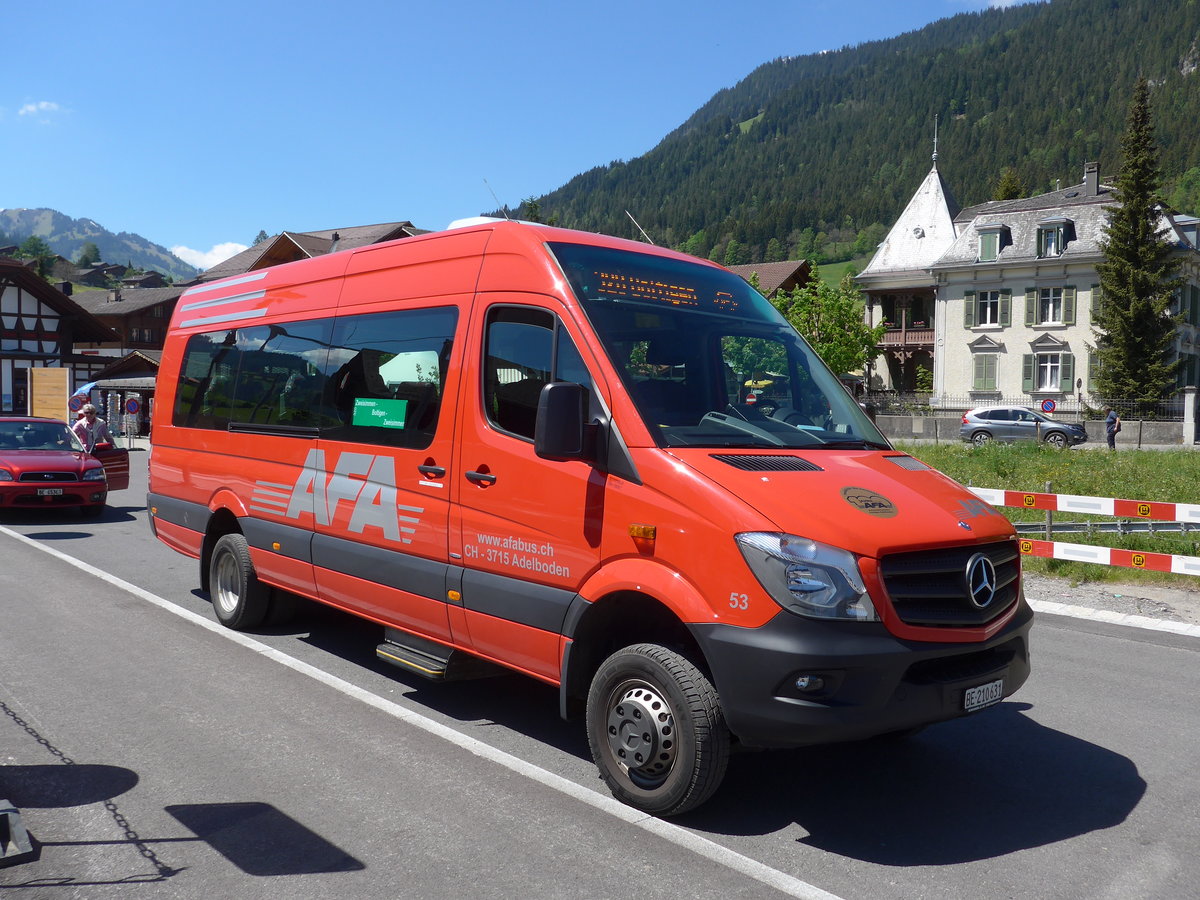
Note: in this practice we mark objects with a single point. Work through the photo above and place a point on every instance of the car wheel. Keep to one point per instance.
(656, 730)
(239, 599)
(980, 438)
(1057, 440)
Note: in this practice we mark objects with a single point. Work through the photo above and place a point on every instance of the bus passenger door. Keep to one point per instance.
(382, 509)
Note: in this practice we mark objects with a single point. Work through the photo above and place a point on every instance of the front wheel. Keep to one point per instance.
(656, 730)
(239, 599)
(1057, 440)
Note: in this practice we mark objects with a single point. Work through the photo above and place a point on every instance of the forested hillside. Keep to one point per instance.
(814, 156)
(67, 236)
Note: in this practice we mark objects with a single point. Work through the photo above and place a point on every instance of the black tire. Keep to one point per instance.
(239, 599)
(980, 438)
(656, 730)
(1057, 440)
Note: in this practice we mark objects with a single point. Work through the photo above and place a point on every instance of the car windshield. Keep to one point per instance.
(708, 361)
(37, 436)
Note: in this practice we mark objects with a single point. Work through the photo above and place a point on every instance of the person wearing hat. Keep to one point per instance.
(91, 430)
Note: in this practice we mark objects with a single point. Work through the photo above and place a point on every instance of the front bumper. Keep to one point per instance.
(874, 683)
(24, 495)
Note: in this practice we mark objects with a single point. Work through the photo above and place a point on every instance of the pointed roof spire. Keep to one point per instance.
(935, 135)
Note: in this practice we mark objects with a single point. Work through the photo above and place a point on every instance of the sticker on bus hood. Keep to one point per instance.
(868, 501)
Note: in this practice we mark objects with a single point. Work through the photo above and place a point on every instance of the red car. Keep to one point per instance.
(43, 464)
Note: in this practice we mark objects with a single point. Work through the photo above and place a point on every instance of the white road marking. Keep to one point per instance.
(681, 837)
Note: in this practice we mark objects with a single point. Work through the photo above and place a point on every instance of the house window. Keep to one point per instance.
(1052, 237)
(989, 246)
(985, 372)
(1049, 371)
(992, 308)
(1050, 305)
(989, 308)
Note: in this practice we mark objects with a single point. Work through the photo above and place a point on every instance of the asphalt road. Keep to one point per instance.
(153, 753)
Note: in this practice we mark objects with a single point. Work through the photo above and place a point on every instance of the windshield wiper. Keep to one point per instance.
(852, 445)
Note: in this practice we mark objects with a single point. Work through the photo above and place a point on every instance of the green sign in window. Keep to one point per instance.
(379, 413)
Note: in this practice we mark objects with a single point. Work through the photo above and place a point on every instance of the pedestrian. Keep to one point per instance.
(1112, 424)
(91, 430)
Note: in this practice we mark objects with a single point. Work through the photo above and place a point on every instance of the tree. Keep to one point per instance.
(1135, 331)
(1009, 186)
(34, 247)
(89, 255)
(831, 320)
(262, 236)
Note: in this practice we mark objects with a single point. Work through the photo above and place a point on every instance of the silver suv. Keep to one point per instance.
(1016, 423)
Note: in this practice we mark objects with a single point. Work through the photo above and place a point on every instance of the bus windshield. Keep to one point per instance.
(708, 360)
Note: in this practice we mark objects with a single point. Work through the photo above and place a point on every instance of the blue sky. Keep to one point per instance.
(198, 124)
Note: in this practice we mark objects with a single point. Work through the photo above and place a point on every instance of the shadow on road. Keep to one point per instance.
(971, 789)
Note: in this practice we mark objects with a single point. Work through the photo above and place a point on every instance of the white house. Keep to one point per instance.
(1013, 296)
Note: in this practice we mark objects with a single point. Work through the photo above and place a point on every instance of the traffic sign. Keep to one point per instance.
(1048, 406)
(76, 402)
(132, 406)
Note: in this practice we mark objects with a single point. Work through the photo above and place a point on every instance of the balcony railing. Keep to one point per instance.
(907, 337)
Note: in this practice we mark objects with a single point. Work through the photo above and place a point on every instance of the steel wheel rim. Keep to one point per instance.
(641, 733)
(227, 583)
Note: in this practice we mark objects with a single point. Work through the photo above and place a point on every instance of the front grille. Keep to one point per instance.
(929, 587)
(766, 463)
(48, 477)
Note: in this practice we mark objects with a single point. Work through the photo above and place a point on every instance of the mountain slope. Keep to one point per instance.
(66, 237)
(839, 140)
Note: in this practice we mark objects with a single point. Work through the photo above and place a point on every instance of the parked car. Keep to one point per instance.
(1016, 423)
(42, 463)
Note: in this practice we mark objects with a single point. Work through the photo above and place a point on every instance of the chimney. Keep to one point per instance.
(1091, 179)
(114, 296)
(66, 287)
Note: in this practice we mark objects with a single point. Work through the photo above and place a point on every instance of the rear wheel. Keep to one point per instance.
(980, 438)
(239, 599)
(656, 730)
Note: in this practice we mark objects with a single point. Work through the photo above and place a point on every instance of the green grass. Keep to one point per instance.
(831, 273)
(1166, 476)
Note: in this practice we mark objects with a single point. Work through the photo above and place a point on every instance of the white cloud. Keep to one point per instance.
(42, 107)
(206, 259)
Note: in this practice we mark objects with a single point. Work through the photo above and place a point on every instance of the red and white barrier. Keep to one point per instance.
(1097, 506)
(1101, 506)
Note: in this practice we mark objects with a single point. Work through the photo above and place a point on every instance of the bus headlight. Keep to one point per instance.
(808, 577)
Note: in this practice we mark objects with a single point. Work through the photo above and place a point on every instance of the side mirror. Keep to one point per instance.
(562, 432)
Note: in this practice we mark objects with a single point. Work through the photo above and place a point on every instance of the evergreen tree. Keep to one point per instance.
(34, 247)
(1134, 328)
(1009, 186)
(262, 236)
(89, 255)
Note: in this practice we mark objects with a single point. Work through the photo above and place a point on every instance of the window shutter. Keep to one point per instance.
(969, 309)
(1031, 299)
(1027, 362)
(980, 373)
(1005, 308)
(1097, 301)
(1067, 382)
(1093, 365)
(1069, 305)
